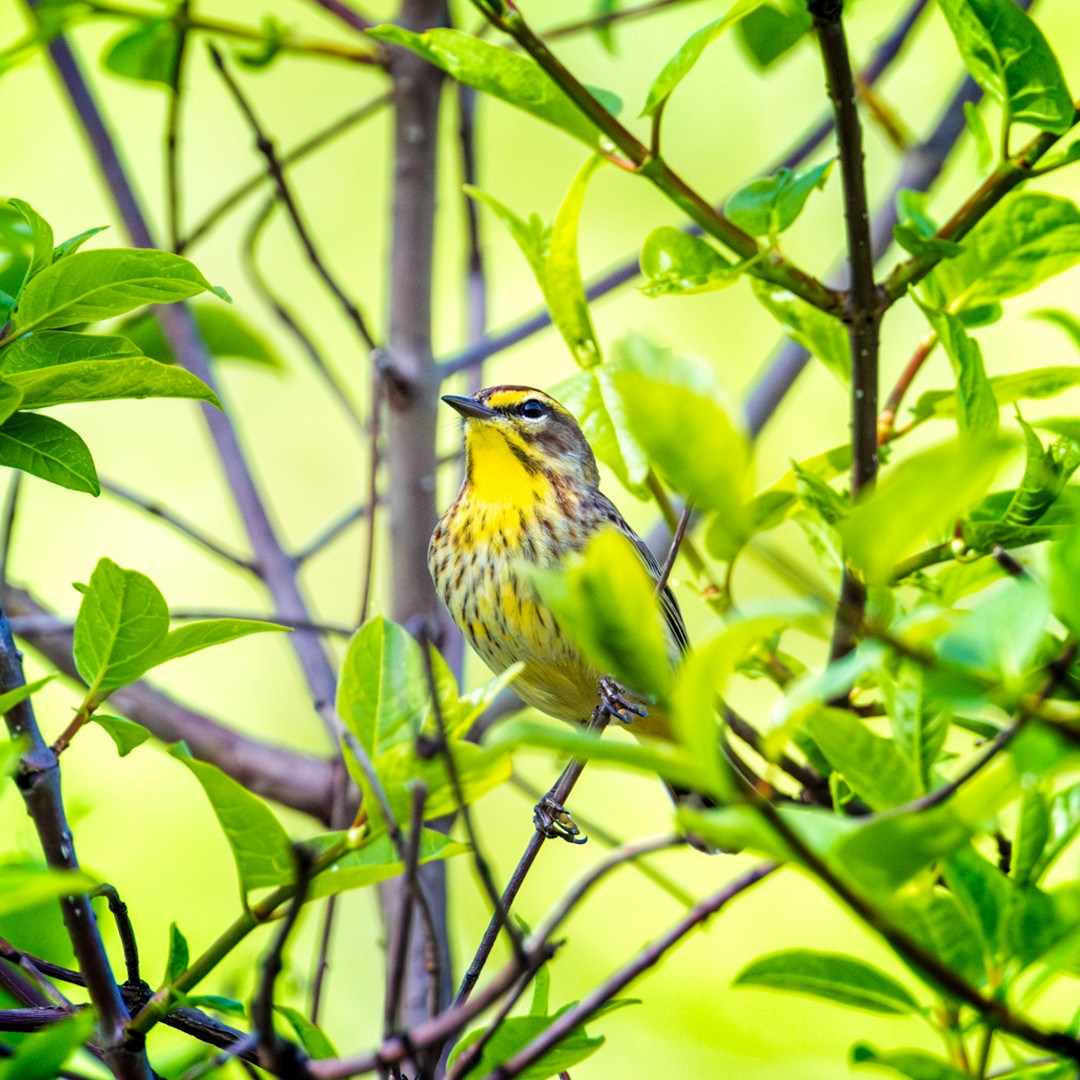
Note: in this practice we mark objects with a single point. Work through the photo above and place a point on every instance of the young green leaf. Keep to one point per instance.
(918, 728)
(375, 861)
(606, 600)
(506, 75)
(315, 1043)
(1064, 574)
(260, 846)
(831, 976)
(126, 734)
(227, 334)
(1010, 59)
(563, 288)
(1046, 472)
(977, 408)
(874, 767)
(769, 205)
(675, 263)
(981, 888)
(976, 125)
(693, 443)
(919, 498)
(41, 237)
(25, 886)
(179, 955)
(914, 1064)
(93, 285)
(678, 67)
(121, 623)
(209, 632)
(9, 700)
(818, 333)
(1034, 384)
(42, 1054)
(1064, 825)
(49, 450)
(1032, 834)
(107, 380)
(73, 243)
(771, 30)
(46, 348)
(148, 53)
(1027, 238)
(11, 398)
(383, 690)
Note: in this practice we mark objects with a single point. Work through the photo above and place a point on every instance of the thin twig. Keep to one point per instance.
(673, 551)
(173, 191)
(175, 521)
(124, 930)
(574, 1017)
(277, 173)
(330, 533)
(348, 15)
(7, 530)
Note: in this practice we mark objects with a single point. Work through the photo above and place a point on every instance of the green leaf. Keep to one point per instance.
(179, 955)
(675, 263)
(42, 1054)
(678, 67)
(515, 1034)
(831, 976)
(820, 334)
(531, 236)
(46, 348)
(875, 768)
(938, 922)
(1046, 472)
(93, 285)
(977, 412)
(73, 243)
(23, 886)
(148, 53)
(769, 31)
(16, 250)
(108, 380)
(1026, 239)
(383, 690)
(914, 1064)
(1064, 574)
(693, 443)
(49, 450)
(376, 861)
(316, 1045)
(922, 496)
(126, 734)
(769, 205)
(918, 728)
(14, 697)
(41, 237)
(209, 632)
(1032, 834)
(1010, 59)
(914, 242)
(1064, 825)
(982, 889)
(259, 844)
(11, 397)
(121, 623)
(506, 75)
(562, 285)
(225, 332)
(606, 600)
(976, 125)
(1034, 384)
(1036, 921)
(212, 1001)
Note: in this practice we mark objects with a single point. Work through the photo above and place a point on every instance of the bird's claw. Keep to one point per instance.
(552, 820)
(615, 703)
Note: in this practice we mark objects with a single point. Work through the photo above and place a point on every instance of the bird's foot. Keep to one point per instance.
(615, 703)
(552, 820)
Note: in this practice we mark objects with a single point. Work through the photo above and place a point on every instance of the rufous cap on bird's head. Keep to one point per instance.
(535, 428)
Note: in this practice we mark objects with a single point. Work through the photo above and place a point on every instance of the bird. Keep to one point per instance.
(530, 497)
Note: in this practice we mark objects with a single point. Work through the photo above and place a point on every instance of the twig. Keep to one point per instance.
(330, 533)
(273, 165)
(862, 307)
(298, 153)
(279, 1055)
(349, 16)
(38, 780)
(559, 793)
(175, 521)
(7, 533)
(887, 419)
(609, 18)
(28, 966)
(673, 551)
(124, 930)
(574, 1017)
(172, 128)
(290, 321)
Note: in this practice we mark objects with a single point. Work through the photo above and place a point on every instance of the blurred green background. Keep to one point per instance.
(142, 822)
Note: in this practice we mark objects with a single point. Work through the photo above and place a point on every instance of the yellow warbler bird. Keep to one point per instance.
(530, 497)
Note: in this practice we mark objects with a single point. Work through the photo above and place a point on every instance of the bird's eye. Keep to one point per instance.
(533, 409)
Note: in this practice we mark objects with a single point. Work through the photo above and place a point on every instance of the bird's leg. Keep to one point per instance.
(614, 702)
(552, 820)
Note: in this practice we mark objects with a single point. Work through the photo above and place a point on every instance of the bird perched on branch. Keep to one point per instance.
(530, 497)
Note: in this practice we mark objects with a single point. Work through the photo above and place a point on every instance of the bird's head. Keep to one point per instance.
(517, 426)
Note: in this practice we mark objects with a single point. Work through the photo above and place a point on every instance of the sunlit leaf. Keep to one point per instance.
(146, 53)
(126, 734)
(675, 263)
(771, 30)
(914, 1064)
(769, 205)
(41, 237)
(831, 976)
(315, 1043)
(23, 886)
(49, 450)
(179, 955)
(821, 335)
(209, 632)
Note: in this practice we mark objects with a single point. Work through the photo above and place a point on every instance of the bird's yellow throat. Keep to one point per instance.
(502, 469)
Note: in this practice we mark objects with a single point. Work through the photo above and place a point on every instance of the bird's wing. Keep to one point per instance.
(668, 604)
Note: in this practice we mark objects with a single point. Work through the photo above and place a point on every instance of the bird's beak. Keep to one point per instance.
(469, 407)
